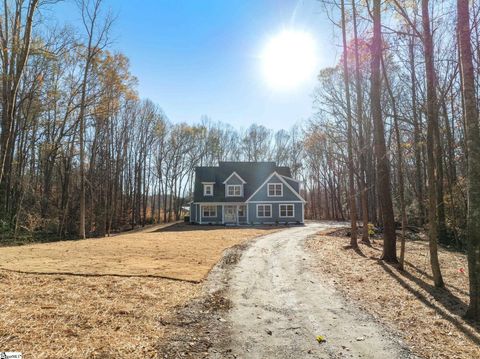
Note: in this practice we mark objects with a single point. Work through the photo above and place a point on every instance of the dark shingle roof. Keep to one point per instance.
(254, 173)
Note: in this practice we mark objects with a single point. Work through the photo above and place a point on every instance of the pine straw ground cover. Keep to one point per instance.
(99, 315)
(429, 318)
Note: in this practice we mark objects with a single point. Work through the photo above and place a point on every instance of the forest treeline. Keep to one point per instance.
(393, 139)
(397, 125)
(81, 154)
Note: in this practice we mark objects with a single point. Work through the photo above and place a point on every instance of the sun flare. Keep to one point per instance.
(289, 59)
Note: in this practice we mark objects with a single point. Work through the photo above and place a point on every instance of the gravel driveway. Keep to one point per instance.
(279, 307)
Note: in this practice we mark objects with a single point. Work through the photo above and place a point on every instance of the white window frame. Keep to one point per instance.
(275, 190)
(264, 205)
(205, 186)
(240, 190)
(286, 205)
(244, 211)
(209, 212)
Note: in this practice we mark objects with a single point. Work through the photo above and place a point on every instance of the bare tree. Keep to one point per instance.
(15, 37)
(473, 143)
(97, 30)
(432, 119)
(383, 171)
(351, 169)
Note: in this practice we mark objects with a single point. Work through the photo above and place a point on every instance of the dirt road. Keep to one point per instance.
(280, 307)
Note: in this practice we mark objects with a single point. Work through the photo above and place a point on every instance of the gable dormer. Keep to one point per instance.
(234, 185)
(208, 189)
(275, 189)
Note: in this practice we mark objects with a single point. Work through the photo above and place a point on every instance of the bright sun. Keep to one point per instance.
(289, 59)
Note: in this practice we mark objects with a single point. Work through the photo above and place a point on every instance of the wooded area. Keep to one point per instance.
(394, 136)
(414, 128)
(82, 154)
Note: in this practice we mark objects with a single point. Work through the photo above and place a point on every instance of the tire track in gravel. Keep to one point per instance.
(279, 307)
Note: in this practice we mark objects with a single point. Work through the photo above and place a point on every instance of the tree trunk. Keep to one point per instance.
(15, 54)
(432, 121)
(361, 140)
(401, 180)
(418, 143)
(351, 170)
(473, 143)
(384, 191)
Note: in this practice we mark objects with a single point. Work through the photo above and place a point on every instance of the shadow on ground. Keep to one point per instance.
(446, 303)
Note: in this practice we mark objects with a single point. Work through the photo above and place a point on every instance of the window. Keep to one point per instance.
(275, 190)
(241, 211)
(264, 210)
(209, 211)
(234, 190)
(287, 210)
(208, 189)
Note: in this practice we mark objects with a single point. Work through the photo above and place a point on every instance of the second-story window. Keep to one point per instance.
(275, 190)
(208, 189)
(234, 190)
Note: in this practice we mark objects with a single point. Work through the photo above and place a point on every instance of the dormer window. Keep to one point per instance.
(208, 189)
(234, 190)
(275, 190)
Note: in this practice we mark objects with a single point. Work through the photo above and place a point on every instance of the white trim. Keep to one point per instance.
(263, 184)
(265, 204)
(208, 182)
(205, 186)
(290, 178)
(275, 189)
(233, 185)
(208, 205)
(280, 210)
(235, 211)
(244, 212)
(281, 179)
(238, 216)
(293, 190)
(236, 174)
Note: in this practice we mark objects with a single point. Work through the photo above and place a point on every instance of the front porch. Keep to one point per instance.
(220, 213)
(234, 214)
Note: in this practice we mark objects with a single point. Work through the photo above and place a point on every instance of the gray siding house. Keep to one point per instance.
(246, 193)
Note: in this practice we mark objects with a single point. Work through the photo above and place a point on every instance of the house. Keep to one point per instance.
(246, 193)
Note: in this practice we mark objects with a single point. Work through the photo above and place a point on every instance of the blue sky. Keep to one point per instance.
(197, 58)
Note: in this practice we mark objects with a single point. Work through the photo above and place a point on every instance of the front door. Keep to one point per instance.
(230, 213)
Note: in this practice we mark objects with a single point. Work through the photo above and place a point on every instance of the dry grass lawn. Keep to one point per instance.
(103, 316)
(86, 317)
(429, 318)
(180, 251)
